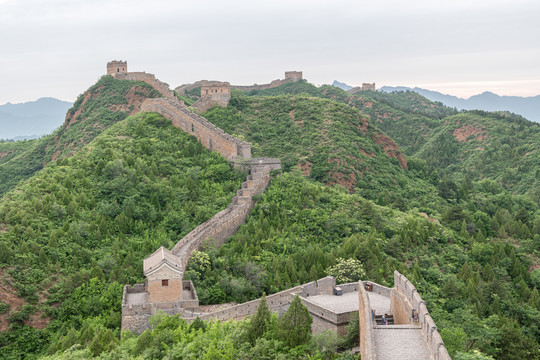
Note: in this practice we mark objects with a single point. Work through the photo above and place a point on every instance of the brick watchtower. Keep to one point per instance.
(116, 67)
(293, 75)
(163, 273)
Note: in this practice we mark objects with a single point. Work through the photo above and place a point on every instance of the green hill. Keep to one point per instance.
(103, 104)
(77, 230)
(74, 233)
(330, 142)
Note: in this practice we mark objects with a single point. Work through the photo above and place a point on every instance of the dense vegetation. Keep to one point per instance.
(332, 143)
(103, 104)
(78, 230)
(476, 286)
(75, 232)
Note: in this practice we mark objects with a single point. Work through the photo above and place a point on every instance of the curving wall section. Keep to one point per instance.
(212, 137)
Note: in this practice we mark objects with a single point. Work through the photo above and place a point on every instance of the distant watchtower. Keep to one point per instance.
(368, 87)
(116, 67)
(216, 90)
(293, 75)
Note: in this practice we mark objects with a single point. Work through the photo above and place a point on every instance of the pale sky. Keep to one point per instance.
(59, 48)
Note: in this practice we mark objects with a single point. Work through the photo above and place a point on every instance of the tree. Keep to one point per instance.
(295, 325)
(347, 270)
(259, 323)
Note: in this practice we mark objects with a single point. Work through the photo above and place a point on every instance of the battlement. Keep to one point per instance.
(116, 67)
(368, 87)
(213, 93)
(293, 75)
(364, 87)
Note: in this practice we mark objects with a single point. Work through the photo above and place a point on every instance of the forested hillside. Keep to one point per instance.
(73, 234)
(462, 231)
(103, 104)
(330, 142)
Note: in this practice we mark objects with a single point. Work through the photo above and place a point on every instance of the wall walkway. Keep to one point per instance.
(408, 339)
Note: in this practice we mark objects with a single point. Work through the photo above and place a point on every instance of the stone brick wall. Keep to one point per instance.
(116, 67)
(364, 87)
(225, 223)
(151, 80)
(407, 298)
(163, 294)
(367, 345)
(293, 75)
(368, 87)
(278, 302)
(212, 137)
(213, 93)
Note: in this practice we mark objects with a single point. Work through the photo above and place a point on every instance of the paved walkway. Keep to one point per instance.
(379, 303)
(338, 304)
(400, 342)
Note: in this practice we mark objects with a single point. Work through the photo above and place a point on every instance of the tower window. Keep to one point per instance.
(165, 282)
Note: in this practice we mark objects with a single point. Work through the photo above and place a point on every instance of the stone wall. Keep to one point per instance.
(278, 302)
(225, 223)
(273, 84)
(116, 67)
(293, 75)
(213, 93)
(364, 87)
(151, 80)
(367, 345)
(212, 137)
(407, 298)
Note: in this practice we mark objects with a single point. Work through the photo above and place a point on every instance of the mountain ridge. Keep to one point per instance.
(32, 118)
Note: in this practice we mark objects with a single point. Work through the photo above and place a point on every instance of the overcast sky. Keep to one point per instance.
(59, 48)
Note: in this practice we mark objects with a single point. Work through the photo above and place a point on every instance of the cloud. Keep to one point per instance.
(60, 47)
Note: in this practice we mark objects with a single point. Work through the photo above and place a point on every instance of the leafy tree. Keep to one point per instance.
(295, 325)
(347, 271)
(260, 322)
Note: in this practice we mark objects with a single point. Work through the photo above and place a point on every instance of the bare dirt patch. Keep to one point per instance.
(465, 131)
(390, 148)
(299, 123)
(348, 181)
(429, 217)
(306, 168)
(8, 296)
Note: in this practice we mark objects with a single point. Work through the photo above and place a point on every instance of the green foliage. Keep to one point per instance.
(78, 230)
(295, 324)
(97, 109)
(81, 227)
(347, 271)
(333, 143)
(260, 322)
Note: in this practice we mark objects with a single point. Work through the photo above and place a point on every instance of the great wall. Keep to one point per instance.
(413, 334)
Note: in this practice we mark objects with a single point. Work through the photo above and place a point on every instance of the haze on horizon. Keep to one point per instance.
(59, 48)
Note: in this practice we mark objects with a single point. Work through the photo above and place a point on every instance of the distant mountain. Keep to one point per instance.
(33, 118)
(341, 85)
(528, 107)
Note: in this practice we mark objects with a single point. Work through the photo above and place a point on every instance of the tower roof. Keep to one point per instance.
(160, 257)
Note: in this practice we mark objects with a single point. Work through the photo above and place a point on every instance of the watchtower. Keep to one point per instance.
(163, 271)
(116, 67)
(293, 75)
(368, 87)
(215, 89)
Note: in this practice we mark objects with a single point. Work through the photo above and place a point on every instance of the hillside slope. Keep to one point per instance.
(103, 104)
(330, 142)
(141, 184)
(472, 145)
